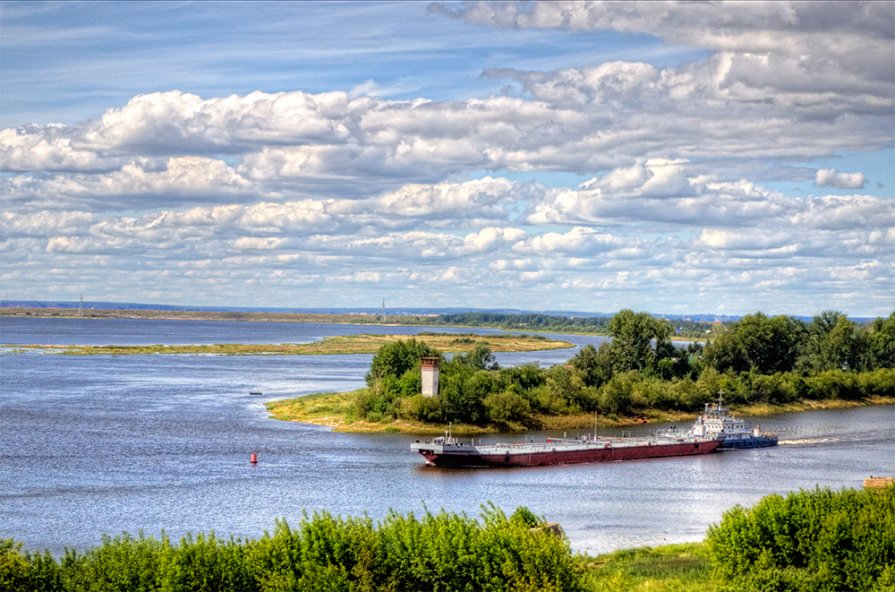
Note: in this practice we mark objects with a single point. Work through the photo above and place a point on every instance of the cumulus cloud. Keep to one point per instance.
(45, 148)
(249, 243)
(830, 178)
(725, 239)
(682, 196)
(822, 38)
(491, 238)
(176, 179)
(578, 241)
(268, 191)
(479, 198)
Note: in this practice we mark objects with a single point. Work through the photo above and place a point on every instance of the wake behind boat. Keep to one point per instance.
(447, 451)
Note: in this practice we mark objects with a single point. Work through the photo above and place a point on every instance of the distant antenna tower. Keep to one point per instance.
(81, 304)
(382, 312)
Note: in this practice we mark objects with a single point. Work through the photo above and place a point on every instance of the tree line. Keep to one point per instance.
(758, 359)
(559, 323)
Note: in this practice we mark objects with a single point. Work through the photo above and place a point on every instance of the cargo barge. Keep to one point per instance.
(447, 451)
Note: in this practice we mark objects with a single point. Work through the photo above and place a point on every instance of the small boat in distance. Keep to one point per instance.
(255, 393)
(734, 432)
(447, 451)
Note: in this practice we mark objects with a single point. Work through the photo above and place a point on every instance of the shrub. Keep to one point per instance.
(505, 407)
(420, 408)
(811, 540)
(444, 552)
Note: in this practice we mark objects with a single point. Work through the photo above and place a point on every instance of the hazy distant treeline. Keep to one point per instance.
(559, 323)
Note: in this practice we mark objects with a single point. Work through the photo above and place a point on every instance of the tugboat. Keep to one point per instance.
(447, 451)
(734, 432)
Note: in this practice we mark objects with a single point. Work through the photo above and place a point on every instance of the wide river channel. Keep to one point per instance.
(107, 444)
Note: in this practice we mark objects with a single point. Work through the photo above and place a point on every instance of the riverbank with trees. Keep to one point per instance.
(761, 364)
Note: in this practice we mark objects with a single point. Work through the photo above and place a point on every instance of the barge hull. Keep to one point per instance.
(471, 457)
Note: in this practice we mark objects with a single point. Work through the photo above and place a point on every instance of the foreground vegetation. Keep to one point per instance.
(758, 362)
(339, 344)
(670, 568)
(437, 552)
(810, 541)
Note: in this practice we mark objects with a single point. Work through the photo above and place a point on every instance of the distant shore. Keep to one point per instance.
(337, 411)
(335, 345)
(204, 315)
(359, 319)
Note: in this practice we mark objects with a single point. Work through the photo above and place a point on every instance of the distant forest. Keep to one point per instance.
(578, 324)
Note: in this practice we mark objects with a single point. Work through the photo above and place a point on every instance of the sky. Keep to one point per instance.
(715, 158)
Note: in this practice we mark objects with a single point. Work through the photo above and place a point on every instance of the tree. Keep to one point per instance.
(594, 365)
(633, 339)
(505, 407)
(394, 359)
(833, 343)
(880, 352)
(615, 396)
(757, 343)
(480, 358)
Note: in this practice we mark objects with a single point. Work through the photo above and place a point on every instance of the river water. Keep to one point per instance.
(105, 444)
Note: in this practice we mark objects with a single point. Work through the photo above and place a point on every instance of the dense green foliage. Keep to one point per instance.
(439, 552)
(759, 359)
(817, 541)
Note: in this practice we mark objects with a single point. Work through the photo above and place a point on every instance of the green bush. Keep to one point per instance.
(439, 552)
(506, 407)
(808, 541)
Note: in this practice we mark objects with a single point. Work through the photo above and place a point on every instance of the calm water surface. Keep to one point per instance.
(105, 444)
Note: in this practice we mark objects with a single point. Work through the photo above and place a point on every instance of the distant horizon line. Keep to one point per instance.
(394, 311)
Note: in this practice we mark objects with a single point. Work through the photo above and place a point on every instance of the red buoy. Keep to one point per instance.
(254, 458)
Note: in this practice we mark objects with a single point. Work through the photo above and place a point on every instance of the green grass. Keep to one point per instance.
(670, 568)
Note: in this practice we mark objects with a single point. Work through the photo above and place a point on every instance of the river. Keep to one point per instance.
(106, 444)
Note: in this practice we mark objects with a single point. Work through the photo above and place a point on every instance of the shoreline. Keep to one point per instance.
(335, 410)
(358, 343)
(360, 319)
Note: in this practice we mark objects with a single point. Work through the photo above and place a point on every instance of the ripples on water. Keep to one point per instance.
(104, 444)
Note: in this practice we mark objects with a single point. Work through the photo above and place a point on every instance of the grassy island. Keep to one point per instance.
(340, 344)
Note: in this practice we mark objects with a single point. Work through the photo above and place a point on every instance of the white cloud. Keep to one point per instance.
(830, 178)
(480, 198)
(715, 238)
(273, 192)
(177, 179)
(249, 243)
(45, 148)
(490, 238)
(67, 244)
(577, 241)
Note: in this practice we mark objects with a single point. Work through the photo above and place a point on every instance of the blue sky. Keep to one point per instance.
(723, 158)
